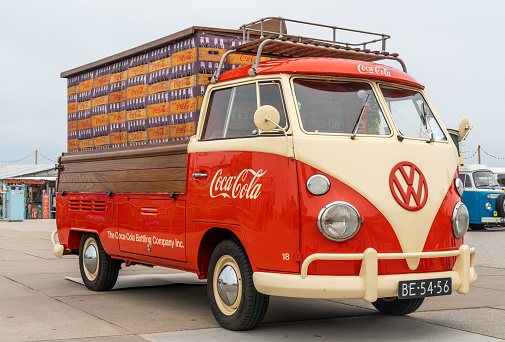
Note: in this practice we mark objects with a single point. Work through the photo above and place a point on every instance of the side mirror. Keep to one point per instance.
(267, 118)
(464, 128)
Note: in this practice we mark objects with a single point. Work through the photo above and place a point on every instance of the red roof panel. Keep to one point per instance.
(326, 66)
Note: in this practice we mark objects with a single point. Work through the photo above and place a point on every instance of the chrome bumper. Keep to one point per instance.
(368, 285)
(496, 219)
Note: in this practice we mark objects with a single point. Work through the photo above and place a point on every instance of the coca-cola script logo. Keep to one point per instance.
(182, 129)
(374, 70)
(407, 183)
(183, 82)
(138, 90)
(245, 185)
(184, 56)
(185, 104)
(120, 76)
(247, 58)
(161, 64)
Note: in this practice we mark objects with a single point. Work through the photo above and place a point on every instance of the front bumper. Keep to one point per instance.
(495, 219)
(368, 285)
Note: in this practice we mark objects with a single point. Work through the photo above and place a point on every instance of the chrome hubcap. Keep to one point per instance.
(227, 285)
(91, 259)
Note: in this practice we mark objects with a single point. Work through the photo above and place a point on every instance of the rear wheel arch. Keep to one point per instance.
(74, 239)
(75, 236)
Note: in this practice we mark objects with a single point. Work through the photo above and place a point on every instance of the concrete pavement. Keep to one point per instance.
(42, 299)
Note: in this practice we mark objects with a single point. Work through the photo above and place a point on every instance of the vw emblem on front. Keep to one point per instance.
(408, 186)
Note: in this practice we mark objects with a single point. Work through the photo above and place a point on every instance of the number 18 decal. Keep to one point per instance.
(285, 256)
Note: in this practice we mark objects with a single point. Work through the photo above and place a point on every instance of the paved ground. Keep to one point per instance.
(42, 299)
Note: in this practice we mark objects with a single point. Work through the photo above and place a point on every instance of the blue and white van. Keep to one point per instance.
(483, 196)
(500, 175)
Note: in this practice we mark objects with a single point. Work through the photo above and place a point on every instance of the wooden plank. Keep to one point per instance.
(281, 50)
(148, 175)
(124, 187)
(169, 148)
(160, 169)
(174, 161)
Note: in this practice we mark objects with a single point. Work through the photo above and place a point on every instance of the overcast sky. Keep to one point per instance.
(454, 48)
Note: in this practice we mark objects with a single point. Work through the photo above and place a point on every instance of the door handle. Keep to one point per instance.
(198, 175)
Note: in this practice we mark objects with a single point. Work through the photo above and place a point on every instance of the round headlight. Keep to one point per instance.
(460, 220)
(488, 206)
(460, 188)
(318, 185)
(338, 221)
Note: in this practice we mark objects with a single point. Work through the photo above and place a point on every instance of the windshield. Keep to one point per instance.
(339, 107)
(412, 114)
(485, 179)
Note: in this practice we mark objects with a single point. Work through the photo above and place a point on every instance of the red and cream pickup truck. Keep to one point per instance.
(317, 173)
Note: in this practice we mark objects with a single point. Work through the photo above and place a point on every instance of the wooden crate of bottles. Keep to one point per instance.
(148, 98)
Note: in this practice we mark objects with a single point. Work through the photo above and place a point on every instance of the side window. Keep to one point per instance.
(243, 105)
(231, 111)
(219, 103)
(466, 181)
(270, 94)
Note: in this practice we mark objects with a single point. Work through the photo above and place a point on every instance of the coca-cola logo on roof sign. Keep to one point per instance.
(374, 70)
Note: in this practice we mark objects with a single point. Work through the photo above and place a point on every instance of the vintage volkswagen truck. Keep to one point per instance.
(483, 197)
(317, 174)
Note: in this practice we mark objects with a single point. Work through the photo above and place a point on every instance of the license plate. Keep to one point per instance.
(424, 288)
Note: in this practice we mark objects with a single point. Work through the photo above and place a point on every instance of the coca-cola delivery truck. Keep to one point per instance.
(313, 172)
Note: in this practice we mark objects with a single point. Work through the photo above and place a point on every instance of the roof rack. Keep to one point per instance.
(276, 43)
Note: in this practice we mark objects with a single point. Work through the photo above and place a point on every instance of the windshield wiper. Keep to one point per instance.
(356, 125)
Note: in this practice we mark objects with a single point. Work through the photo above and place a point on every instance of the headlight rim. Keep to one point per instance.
(488, 206)
(323, 231)
(454, 220)
(460, 187)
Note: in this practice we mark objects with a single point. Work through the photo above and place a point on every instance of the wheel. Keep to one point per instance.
(234, 301)
(98, 270)
(397, 307)
(500, 205)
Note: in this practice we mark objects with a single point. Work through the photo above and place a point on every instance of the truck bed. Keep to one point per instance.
(136, 169)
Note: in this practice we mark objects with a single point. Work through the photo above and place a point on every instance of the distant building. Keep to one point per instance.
(36, 180)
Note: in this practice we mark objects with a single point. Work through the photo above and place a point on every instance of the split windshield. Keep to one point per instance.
(485, 179)
(350, 107)
(411, 114)
(339, 107)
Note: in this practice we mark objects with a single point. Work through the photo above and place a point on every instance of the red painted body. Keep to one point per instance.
(376, 232)
(275, 219)
(257, 197)
(325, 66)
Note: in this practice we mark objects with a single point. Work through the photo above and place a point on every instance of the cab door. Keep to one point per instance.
(242, 178)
